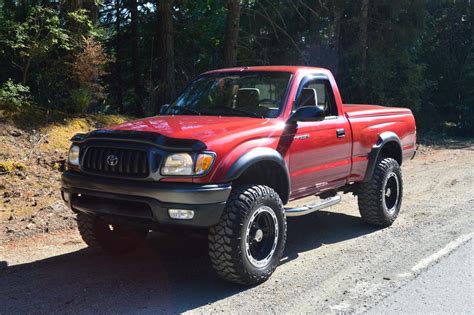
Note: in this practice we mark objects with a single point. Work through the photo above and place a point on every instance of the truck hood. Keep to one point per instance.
(207, 129)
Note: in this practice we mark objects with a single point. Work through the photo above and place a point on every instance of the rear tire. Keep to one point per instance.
(110, 238)
(380, 199)
(246, 245)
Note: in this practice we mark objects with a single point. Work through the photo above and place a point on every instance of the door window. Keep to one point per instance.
(317, 92)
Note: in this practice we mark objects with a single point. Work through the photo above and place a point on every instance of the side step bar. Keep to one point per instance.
(299, 211)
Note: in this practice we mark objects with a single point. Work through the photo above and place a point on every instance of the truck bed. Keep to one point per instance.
(368, 122)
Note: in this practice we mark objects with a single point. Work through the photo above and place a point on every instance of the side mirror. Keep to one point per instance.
(307, 113)
(164, 108)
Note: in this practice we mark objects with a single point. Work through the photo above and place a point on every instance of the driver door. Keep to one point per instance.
(320, 153)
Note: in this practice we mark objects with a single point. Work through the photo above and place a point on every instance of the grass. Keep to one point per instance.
(59, 127)
(59, 134)
(10, 166)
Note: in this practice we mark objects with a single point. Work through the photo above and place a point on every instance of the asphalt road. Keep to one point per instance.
(447, 287)
(333, 262)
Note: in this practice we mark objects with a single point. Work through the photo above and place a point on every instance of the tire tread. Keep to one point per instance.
(222, 241)
(370, 195)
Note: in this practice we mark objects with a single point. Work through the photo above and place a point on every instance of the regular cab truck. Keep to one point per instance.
(229, 155)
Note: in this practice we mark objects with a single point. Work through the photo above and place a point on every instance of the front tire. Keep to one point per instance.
(246, 245)
(110, 238)
(380, 199)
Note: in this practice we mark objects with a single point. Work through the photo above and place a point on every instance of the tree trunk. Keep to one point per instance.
(165, 61)
(73, 5)
(232, 33)
(338, 12)
(24, 75)
(9, 7)
(119, 55)
(363, 22)
(93, 10)
(137, 79)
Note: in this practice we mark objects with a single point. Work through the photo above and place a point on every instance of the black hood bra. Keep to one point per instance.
(151, 138)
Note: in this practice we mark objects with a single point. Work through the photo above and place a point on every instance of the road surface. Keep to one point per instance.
(446, 287)
(333, 262)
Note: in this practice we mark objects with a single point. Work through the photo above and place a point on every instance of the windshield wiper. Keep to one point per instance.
(189, 110)
(242, 111)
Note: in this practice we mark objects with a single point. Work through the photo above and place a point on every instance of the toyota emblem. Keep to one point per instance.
(112, 160)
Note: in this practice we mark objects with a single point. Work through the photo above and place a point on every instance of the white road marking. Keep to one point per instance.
(342, 307)
(404, 275)
(425, 262)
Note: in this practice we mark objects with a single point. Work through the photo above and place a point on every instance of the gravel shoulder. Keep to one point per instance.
(333, 262)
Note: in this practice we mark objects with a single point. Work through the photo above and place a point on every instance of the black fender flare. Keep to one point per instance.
(255, 156)
(383, 138)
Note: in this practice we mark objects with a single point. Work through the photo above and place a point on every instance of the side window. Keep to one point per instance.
(317, 92)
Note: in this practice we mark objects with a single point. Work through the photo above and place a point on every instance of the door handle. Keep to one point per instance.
(341, 133)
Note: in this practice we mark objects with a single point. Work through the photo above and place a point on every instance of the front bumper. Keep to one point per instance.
(146, 202)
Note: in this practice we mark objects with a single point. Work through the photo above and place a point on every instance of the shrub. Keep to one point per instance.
(14, 96)
(80, 100)
(87, 68)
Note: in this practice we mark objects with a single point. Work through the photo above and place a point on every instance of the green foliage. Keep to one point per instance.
(38, 35)
(85, 72)
(81, 26)
(80, 100)
(419, 53)
(446, 51)
(14, 97)
(467, 97)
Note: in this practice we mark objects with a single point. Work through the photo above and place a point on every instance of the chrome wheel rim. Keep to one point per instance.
(391, 193)
(261, 237)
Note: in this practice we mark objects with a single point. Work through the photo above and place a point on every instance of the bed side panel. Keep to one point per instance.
(366, 130)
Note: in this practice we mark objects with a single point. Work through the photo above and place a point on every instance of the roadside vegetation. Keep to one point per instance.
(33, 149)
(131, 57)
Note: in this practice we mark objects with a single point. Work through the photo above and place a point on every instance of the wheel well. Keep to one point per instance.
(267, 173)
(392, 150)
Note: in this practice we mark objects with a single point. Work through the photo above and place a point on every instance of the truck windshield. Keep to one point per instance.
(251, 94)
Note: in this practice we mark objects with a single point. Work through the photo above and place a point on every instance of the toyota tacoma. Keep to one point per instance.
(229, 155)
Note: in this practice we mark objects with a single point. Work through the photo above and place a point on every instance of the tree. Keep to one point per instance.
(363, 22)
(338, 8)
(92, 7)
(166, 63)
(136, 64)
(119, 55)
(412, 53)
(40, 33)
(232, 33)
(86, 71)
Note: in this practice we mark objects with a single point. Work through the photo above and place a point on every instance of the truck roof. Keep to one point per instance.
(290, 69)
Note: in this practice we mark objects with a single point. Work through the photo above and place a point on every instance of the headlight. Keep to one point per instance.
(73, 156)
(187, 164)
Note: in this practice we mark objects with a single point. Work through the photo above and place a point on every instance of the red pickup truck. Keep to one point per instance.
(227, 156)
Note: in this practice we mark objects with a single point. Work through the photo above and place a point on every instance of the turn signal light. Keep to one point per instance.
(203, 163)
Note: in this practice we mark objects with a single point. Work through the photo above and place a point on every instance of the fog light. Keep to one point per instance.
(181, 214)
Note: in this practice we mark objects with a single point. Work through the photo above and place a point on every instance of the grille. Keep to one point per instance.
(117, 162)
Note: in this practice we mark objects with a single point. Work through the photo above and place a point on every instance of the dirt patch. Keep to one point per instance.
(32, 158)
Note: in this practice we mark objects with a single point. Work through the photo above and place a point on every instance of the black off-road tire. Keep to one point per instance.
(110, 238)
(227, 240)
(374, 205)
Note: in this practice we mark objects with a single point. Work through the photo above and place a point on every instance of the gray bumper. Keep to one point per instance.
(144, 200)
